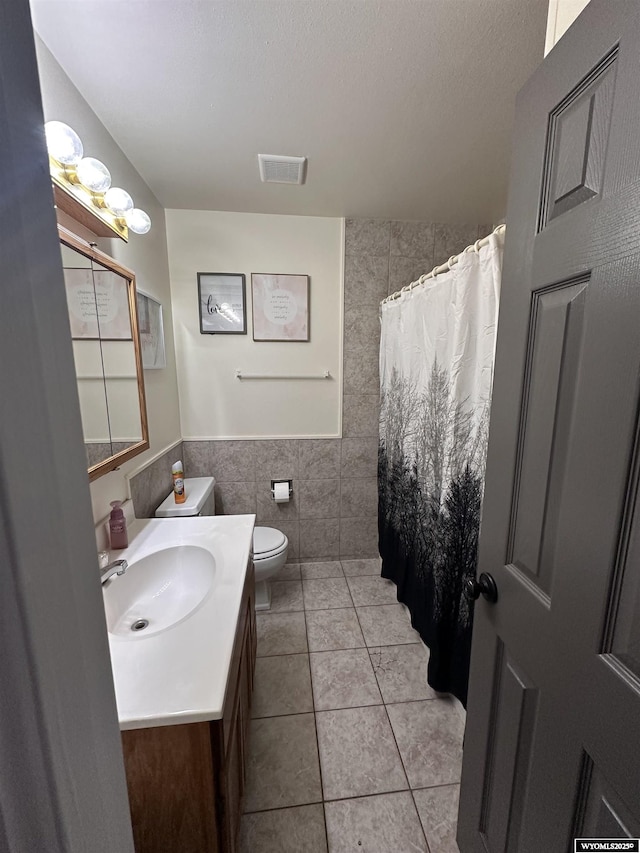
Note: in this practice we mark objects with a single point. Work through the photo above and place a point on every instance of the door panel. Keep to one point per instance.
(625, 617)
(553, 725)
(555, 340)
(514, 712)
(577, 142)
(603, 813)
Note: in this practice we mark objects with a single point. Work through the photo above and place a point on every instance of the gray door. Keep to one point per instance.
(552, 748)
(62, 781)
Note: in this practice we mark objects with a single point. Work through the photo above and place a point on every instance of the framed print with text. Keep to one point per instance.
(222, 301)
(280, 307)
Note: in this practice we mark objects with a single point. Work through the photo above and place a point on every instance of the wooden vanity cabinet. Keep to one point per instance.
(186, 782)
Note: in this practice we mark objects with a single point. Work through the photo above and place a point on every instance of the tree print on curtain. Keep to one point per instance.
(436, 370)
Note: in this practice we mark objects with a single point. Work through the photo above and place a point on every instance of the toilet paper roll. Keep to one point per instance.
(281, 492)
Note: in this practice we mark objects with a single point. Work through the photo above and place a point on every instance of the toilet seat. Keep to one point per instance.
(268, 542)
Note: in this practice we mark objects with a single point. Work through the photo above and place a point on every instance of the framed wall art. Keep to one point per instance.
(222, 301)
(151, 331)
(280, 307)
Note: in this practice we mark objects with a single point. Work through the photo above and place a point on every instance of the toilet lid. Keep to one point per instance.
(267, 540)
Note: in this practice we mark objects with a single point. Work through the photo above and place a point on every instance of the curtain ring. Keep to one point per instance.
(452, 258)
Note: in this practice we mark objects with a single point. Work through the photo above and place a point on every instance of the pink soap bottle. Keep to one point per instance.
(118, 527)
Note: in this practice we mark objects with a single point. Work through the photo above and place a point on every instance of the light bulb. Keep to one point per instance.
(63, 143)
(138, 221)
(93, 175)
(118, 201)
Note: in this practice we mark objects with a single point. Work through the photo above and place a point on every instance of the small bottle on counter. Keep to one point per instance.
(179, 494)
(118, 527)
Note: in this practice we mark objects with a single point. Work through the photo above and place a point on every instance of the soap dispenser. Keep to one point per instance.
(118, 527)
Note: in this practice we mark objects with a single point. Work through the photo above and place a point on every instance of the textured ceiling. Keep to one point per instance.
(403, 107)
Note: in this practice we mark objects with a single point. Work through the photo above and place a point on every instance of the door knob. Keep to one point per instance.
(484, 585)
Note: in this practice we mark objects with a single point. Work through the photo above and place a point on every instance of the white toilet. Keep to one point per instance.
(270, 548)
(269, 545)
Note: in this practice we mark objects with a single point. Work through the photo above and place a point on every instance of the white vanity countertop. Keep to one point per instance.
(179, 675)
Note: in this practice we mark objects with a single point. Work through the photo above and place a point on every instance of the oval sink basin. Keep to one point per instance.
(158, 591)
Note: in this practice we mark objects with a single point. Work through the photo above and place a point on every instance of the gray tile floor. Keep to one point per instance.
(350, 749)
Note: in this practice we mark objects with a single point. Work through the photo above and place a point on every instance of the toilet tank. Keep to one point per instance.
(199, 499)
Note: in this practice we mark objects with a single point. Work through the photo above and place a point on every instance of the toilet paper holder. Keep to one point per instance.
(273, 487)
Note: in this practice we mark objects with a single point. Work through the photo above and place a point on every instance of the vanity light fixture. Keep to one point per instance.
(93, 175)
(118, 201)
(82, 187)
(63, 143)
(138, 221)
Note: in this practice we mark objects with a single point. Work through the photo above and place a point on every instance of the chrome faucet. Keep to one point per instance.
(118, 567)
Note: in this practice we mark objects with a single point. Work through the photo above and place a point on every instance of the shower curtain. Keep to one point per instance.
(436, 368)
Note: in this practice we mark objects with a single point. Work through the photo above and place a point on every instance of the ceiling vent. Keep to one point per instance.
(275, 169)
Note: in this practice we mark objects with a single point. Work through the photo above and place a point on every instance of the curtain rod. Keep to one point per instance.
(475, 247)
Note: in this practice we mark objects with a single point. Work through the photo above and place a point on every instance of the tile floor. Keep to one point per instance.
(350, 749)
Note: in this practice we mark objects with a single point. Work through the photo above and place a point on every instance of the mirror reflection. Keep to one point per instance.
(101, 303)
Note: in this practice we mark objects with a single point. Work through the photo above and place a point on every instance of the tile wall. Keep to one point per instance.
(151, 486)
(380, 257)
(333, 513)
(334, 504)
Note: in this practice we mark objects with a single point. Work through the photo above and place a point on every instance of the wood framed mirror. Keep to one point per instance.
(101, 298)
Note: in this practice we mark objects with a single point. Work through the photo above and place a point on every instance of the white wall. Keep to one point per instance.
(562, 13)
(145, 255)
(213, 403)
